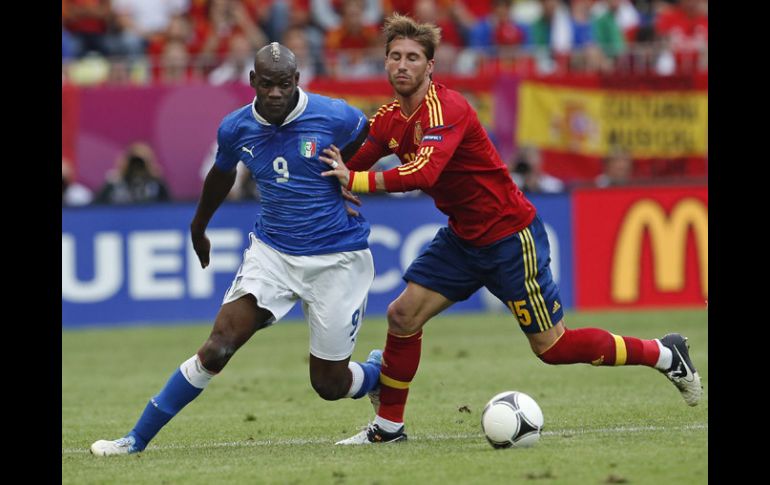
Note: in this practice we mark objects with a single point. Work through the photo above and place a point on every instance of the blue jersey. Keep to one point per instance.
(303, 213)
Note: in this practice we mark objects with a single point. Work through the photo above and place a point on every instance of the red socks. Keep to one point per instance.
(399, 365)
(599, 347)
(401, 358)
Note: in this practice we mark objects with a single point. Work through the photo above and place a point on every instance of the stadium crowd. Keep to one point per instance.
(174, 41)
(141, 42)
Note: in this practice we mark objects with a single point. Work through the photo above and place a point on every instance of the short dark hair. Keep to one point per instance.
(402, 27)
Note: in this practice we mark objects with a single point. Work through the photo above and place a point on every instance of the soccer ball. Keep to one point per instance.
(512, 419)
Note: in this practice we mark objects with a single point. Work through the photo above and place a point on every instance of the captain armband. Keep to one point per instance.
(362, 182)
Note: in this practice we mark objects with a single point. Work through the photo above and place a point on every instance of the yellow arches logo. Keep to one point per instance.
(668, 239)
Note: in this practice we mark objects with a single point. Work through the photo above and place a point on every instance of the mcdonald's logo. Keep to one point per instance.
(668, 239)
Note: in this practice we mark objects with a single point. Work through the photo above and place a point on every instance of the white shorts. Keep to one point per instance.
(333, 289)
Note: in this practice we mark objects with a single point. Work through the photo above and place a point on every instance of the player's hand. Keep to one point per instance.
(202, 247)
(350, 197)
(333, 158)
(353, 199)
(351, 211)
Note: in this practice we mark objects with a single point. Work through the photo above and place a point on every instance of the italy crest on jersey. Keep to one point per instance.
(308, 146)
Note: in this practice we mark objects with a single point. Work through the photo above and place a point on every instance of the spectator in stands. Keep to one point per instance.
(450, 55)
(580, 13)
(272, 16)
(69, 47)
(140, 21)
(684, 28)
(497, 30)
(404, 7)
(618, 168)
(72, 192)
(551, 35)
(348, 44)
(86, 21)
(529, 175)
(225, 19)
(239, 62)
(442, 13)
(175, 65)
(607, 27)
(179, 29)
(586, 55)
(135, 179)
(314, 37)
(296, 41)
(624, 13)
(475, 9)
(328, 14)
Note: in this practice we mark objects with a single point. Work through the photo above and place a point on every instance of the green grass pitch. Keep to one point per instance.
(259, 421)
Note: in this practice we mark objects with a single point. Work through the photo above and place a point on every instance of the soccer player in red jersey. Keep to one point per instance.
(494, 236)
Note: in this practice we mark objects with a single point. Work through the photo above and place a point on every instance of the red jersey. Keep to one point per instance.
(446, 153)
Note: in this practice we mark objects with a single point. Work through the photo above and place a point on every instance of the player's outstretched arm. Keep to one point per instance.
(215, 188)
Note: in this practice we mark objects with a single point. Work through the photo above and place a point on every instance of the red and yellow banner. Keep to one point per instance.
(590, 120)
(641, 247)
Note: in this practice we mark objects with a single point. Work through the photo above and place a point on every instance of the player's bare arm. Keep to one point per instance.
(215, 189)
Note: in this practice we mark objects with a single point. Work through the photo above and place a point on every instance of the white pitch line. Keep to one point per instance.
(444, 437)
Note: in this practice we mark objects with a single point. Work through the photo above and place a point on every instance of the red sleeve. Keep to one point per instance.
(369, 153)
(436, 149)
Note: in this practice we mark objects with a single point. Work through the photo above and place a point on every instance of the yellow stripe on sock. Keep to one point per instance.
(390, 382)
(620, 350)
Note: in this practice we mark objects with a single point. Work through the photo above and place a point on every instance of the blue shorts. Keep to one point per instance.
(514, 269)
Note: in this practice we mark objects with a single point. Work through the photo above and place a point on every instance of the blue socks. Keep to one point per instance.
(189, 380)
(177, 393)
(371, 378)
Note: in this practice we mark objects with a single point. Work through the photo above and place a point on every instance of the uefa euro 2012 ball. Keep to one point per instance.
(512, 419)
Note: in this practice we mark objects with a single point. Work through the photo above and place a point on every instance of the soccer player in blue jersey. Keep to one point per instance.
(306, 245)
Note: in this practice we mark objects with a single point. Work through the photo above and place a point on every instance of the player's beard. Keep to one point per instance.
(408, 89)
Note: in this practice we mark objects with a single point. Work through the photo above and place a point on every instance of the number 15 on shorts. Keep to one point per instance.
(519, 309)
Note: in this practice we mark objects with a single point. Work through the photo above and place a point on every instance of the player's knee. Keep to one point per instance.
(328, 390)
(216, 352)
(401, 322)
(549, 345)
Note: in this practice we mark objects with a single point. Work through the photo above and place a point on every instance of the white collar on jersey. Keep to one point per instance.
(298, 110)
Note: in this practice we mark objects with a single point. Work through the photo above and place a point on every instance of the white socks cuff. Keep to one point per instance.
(193, 371)
(387, 425)
(358, 378)
(665, 357)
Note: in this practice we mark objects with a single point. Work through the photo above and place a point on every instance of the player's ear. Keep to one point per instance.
(253, 79)
(429, 69)
(296, 78)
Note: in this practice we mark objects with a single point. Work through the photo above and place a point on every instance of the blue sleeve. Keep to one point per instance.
(226, 158)
(351, 122)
